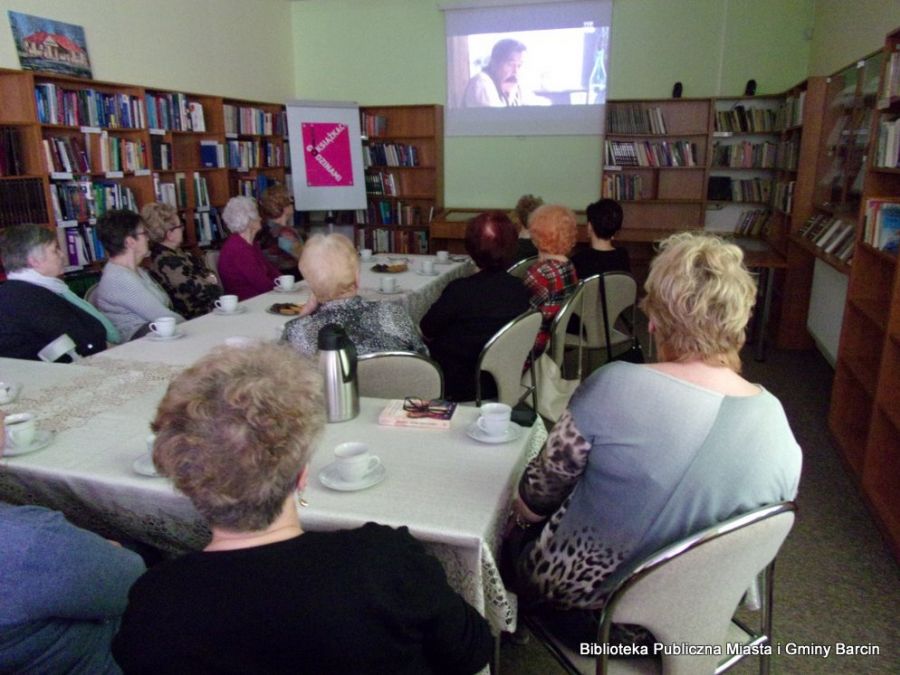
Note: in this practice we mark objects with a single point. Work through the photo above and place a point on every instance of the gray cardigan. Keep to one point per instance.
(131, 299)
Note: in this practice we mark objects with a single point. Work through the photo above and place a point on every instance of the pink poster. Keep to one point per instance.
(326, 152)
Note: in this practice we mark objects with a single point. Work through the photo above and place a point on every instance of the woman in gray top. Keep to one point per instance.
(648, 454)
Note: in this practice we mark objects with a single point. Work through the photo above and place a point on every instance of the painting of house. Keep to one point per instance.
(48, 45)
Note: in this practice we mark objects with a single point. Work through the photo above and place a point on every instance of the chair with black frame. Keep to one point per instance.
(687, 593)
(399, 374)
(518, 269)
(503, 357)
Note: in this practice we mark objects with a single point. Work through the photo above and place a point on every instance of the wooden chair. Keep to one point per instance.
(398, 375)
(503, 357)
(518, 269)
(687, 593)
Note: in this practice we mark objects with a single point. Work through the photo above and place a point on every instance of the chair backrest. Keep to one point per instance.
(558, 329)
(504, 355)
(211, 258)
(89, 293)
(688, 592)
(621, 294)
(398, 375)
(518, 269)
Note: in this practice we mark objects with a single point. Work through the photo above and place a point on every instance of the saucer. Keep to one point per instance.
(292, 289)
(396, 291)
(143, 465)
(153, 337)
(41, 440)
(330, 478)
(9, 392)
(240, 309)
(423, 273)
(513, 431)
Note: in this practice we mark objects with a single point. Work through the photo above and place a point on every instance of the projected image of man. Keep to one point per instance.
(498, 85)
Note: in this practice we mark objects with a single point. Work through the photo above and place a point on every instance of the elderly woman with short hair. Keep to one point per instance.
(646, 455)
(36, 306)
(330, 266)
(190, 284)
(244, 270)
(235, 433)
(279, 241)
(472, 309)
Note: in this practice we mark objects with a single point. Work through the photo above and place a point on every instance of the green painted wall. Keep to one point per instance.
(846, 30)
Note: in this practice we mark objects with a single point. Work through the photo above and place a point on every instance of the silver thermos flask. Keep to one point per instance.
(337, 362)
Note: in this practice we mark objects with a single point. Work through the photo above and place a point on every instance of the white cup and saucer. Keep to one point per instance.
(494, 425)
(9, 391)
(389, 286)
(163, 330)
(443, 257)
(427, 268)
(23, 436)
(365, 255)
(143, 465)
(228, 304)
(285, 284)
(354, 468)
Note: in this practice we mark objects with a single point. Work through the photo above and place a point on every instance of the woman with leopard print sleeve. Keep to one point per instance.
(646, 455)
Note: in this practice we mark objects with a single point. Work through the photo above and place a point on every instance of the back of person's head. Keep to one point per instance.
(159, 218)
(239, 212)
(553, 229)
(605, 217)
(504, 49)
(491, 240)
(330, 266)
(274, 201)
(699, 299)
(525, 207)
(235, 430)
(114, 227)
(18, 242)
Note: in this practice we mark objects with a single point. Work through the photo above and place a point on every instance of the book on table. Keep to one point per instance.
(430, 415)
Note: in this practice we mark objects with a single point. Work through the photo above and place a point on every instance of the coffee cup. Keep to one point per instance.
(20, 430)
(227, 303)
(163, 326)
(494, 420)
(428, 266)
(388, 284)
(8, 392)
(365, 254)
(354, 461)
(443, 256)
(285, 282)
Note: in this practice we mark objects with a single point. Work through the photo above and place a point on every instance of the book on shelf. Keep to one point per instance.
(882, 224)
(212, 154)
(87, 108)
(195, 115)
(12, 161)
(741, 119)
(161, 153)
(834, 225)
(208, 226)
(891, 86)
(394, 415)
(846, 231)
(752, 223)
(887, 149)
(634, 118)
(22, 201)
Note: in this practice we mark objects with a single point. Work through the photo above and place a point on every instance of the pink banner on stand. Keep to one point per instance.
(326, 151)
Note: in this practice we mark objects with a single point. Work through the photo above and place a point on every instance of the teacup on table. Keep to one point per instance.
(365, 254)
(285, 282)
(227, 303)
(428, 266)
(388, 284)
(443, 256)
(163, 326)
(354, 461)
(19, 430)
(495, 418)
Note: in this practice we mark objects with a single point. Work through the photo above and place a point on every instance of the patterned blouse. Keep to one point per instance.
(373, 326)
(186, 279)
(549, 283)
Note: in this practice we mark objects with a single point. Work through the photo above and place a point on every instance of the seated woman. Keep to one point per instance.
(605, 219)
(69, 592)
(279, 242)
(331, 268)
(472, 309)
(526, 205)
(126, 292)
(191, 285)
(646, 455)
(235, 433)
(36, 306)
(244, 270)
(552, 279)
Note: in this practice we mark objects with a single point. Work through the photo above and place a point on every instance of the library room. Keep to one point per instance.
(255, 349)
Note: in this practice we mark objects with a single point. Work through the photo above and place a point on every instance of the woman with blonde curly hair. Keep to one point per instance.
(646, 455)
(552, 279)
(235, 433)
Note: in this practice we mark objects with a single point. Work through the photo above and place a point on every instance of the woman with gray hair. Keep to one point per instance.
(331, 268)
(36, 306)
(243, 267)
(235, 433)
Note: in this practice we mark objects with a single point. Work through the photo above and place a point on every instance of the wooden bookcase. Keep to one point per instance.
(864, 415)
(403, 152)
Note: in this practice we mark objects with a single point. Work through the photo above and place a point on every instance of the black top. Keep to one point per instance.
(525, 248)
(468, 314)
(589, 261)
(31, 317)
(369, 600)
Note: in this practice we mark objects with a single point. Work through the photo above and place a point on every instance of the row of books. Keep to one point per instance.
(622, 187)
(387, 212)
(753, 223)
(252, 154)
(745, 155)
(887, 150)
(891, 88)
(22, 201)
(79, 243)
(790, 113)
(881, 227)
(725, 189)
(831, 235)
(254, 187)
(174, 111)
(85, 200)
(208, 226)
(787, 157)
(784, 196)
(161, 154)
(12, 161)
(651, 153)
(372, 125)
(381, 183)
(68, 154)
(88, 107)
(383, 240)
(390, 154)
(741, 119)
(633, 118)
(256, 121)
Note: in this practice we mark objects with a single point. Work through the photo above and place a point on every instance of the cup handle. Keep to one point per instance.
(153, 326)
(480, 423)
(218, 304)
(374, 461)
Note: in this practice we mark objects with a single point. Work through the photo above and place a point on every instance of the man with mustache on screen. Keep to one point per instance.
(498, 86)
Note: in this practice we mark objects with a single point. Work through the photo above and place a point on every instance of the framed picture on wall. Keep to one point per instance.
(51, 46)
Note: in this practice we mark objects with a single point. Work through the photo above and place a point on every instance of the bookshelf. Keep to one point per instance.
(403, 155)
(864, 415)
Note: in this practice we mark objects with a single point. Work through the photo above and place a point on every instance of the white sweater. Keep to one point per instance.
(131, 299)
